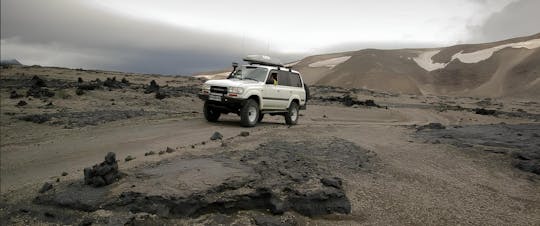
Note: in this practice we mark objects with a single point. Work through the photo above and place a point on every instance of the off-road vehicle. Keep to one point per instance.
(263, 86)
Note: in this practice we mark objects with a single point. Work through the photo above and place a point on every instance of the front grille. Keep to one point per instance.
(218, 89)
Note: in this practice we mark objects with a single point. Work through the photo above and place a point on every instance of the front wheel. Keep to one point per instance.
(291, 117)
(211, 114)
(249, 114)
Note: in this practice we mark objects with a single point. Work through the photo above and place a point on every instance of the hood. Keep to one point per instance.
(231, 82)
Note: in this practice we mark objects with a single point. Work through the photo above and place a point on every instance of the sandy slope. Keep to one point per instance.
(499, 69)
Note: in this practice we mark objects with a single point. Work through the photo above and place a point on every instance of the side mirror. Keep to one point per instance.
(234, 65)
(269, 82)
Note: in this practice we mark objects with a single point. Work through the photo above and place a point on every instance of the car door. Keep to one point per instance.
(284, 89)
(269, 94)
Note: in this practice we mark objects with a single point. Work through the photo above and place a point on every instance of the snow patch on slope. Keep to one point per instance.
(330, 63)
(424, 59)
(485, 54)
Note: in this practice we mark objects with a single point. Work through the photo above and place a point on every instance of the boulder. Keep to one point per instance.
(153, 87)
(21, 103)
(216, 136)
(104, 173)
(47, 186)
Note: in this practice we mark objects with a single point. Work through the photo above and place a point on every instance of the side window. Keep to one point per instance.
(270, 79)
(284, 78)
(295, 80)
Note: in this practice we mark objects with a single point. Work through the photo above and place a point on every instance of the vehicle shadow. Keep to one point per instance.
(236, 123)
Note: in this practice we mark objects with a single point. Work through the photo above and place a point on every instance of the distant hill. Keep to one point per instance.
(10, 62)
(499, 69)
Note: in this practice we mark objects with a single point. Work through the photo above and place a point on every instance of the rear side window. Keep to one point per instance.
(284, 78)
(294, 80)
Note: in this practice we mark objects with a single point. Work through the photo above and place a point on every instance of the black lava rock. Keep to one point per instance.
(335, 182)
(14, 95)
(432, 125)
(371, 103)
(113, 83)
(161, 95)
(482, 111)
(47, 186)
(153, 87)
(38, 92)
(125, 81)
(37, 82)
(216, 136)
(103, 174)
(36, 118)
(21, 103)
(129, 158)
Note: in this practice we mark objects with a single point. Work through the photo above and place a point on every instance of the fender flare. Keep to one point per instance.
(250, 93)
(292, 98)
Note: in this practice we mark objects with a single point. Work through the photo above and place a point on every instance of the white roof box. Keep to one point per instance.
(263, 60)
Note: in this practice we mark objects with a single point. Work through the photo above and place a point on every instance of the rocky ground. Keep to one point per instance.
(356, 157)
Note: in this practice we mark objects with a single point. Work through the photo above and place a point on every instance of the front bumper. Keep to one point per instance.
(226, 105)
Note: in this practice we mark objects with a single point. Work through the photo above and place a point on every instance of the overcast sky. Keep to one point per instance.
(183, 37)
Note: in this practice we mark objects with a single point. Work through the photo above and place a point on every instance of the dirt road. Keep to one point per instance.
(49, 154)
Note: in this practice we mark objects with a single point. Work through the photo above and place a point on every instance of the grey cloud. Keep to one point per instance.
(519, 18)
(69, 33)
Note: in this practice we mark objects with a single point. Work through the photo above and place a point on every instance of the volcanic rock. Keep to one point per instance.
(216, 136)
(103, 174)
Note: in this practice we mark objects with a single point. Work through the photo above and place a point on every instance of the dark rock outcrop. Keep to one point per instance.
(36, 118)
(482, 111)
(113, 83)
(161, 95)
(103, 174)
(153, 87)
(431, 125)
(21, 103)
(14, 95)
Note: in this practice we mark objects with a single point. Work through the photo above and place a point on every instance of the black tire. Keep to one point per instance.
(247, 119)
(211, 114)
(261, 116)
(308, 95)
(291, 117)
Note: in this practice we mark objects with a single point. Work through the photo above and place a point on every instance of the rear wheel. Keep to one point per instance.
(249, 114)
(211, 114)
(291, 117)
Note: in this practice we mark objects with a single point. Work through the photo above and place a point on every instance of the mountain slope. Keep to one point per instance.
(499, 69)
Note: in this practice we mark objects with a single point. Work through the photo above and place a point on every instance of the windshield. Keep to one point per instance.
(250, 72)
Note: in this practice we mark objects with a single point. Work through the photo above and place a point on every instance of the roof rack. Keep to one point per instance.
(263, 60)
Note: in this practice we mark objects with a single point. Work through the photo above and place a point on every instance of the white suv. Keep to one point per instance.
(265, 86)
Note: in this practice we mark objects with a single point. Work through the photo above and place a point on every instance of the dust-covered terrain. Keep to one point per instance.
(357, 156)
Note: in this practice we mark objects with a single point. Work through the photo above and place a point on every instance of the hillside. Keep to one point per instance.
(509, 68)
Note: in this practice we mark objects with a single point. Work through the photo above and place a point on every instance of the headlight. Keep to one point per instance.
(205, 87)
(238, 90)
